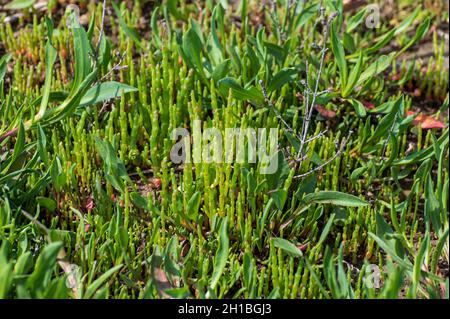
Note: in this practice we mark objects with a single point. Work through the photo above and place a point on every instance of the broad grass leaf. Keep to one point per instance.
(335, 198)
(178, 293)
(359, 108)
(23, 264)
(3, 64)
(385, 232)
(387, 121)
(194, 205)
(275, 293)
(104, 53)
(383, 245)
(83, 51)
(339, 53)
(155, 29)
(354, 76)
(217, 19)
(279, 197)
(129, 31)
(41, 146)
(306, 186)
(115, 169)
(432, 206)
(423, 154)
(329, 271)
(221, 257)
(349, 42)
(47, 203)
(139, 201)
(418, 36)
(6, 279)
(172, 6)
(19, 146)
(407, 22)
(385, 39)
(91, 27)
(105, 91)
(221, 70)
(287, 247)
(198, 30)
(19, 4)
(69, 106)
(384, 108)
(357, 173)
(192, 48)
(293, 140)
(238, 91)
(276, 51)
(381, 64)
(45, 263)
(50, 58)
(443, 239)
(355, 20)
(305, 15)
(326, 229)
(248, 272)
(276, 180)
(419, 262)
(281, 78)
(90, 291)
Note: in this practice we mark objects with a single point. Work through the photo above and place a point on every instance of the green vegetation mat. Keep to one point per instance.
(100, 197)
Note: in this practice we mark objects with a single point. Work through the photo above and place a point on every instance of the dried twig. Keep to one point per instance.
(310, 103)
(275, 111)
(309, 108)
(320, 167)
(116, 67)
(101, 30)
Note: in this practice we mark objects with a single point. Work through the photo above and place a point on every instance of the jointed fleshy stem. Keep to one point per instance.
(391, 129)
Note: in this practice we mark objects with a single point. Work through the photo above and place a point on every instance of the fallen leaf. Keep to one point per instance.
(156, 183)
(425, 121)
(417, 93)
(162, 282)
(160, 278)
(89, 204)
(368, 105)
(350, 5)
(71, 271)
(328, 114)
(396, 77)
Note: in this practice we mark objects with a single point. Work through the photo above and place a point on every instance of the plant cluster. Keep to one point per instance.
(91, 205)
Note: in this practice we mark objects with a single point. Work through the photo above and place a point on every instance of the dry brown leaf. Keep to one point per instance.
(350, 5)
(328, 114)
(425, 121)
